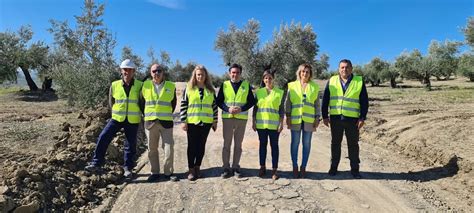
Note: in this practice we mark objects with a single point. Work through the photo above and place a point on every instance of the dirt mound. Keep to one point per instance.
(434, 128)
(56, 181)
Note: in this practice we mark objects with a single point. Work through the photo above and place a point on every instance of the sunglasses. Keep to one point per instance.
(157, 71)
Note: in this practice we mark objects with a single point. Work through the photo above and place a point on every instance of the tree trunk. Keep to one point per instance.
(28, 79)
(393, 83)
(47, 84)
(427, 83)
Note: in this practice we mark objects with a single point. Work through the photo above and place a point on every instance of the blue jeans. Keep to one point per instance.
(263, 135)
(295, 142)
(106, 136)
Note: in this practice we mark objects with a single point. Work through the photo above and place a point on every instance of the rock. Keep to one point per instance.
(4, 190)
(282, 182)
(6, 203)
(113, 152)
(39, 186)
(66, 126)
(242, 179)
(272, 187)
(21, 173)
(329, 187)
(232, 206)
(92, 132)
(81, 116)
(268, 195)
(32, 207)
(61, 190)
(364, 205)
(290, 195)
(251, 191)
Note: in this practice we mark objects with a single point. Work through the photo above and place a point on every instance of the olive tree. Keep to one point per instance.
(87, 65)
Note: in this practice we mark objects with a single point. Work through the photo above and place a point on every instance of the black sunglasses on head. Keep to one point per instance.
(157, 71)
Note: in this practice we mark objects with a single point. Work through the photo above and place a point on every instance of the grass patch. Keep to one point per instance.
(8, 90)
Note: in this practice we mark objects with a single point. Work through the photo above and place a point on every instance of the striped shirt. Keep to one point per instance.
(184, 106)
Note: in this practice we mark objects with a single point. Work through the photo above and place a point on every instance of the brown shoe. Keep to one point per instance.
(274, 174)
(295, 172)
(191, 175)
(302, 172)
(261, 172)
(197, 171)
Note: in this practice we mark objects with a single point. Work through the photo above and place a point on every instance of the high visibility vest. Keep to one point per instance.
(158, 106)
(199, 110)
(302, 109)
(126, 107)
(233, 99)
(347, 103)
(268, 106)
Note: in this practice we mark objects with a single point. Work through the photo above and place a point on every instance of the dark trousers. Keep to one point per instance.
(197, 137)
(338, 128)
(106, 136)
(263, 135)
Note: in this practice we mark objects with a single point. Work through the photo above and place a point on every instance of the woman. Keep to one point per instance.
(198, 114)
(302, 115)
(267, 117)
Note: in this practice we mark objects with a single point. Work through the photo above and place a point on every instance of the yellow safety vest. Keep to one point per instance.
(158, 106)
(199, 110)
(268, 105)
(232, 99)
(341, 103)
(303, 109)
(126, 107)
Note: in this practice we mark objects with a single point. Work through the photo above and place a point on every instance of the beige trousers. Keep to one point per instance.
(153, 138)
(232, 128)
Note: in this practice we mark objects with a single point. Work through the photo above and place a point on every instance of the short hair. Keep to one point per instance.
(347, 61)
(235, 66)
(301, 68)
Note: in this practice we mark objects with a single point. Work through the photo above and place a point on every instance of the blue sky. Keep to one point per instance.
(358, 30)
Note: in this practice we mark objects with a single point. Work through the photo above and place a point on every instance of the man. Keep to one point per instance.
(348, 102)
(235, 98)
(158, 101)
(126, 114)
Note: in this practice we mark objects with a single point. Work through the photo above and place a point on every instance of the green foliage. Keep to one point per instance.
(466, 66)
(390, 73)
(182, 73)
(321, 66)
(444, 55)
(373, 71)
(358, 70)
(127, 53)
(218, 80)
(291, 46)
(241, 46)
(85, 66)
(17, 52)
(469, 32)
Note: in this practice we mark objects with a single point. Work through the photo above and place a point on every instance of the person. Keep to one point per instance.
(158, 98)
(268, 114)
(198, 114)
(126, 114)
(302, 115)
(346, 97)
(235, 97)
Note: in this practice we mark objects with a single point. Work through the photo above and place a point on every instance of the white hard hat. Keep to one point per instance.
(127, 63)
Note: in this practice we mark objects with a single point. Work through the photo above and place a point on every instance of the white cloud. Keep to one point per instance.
(172, 4)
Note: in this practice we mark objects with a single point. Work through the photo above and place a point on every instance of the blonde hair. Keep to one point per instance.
(207, 80)
(301, 68)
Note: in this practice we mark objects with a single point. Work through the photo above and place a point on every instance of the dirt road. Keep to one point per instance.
(386, 186)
